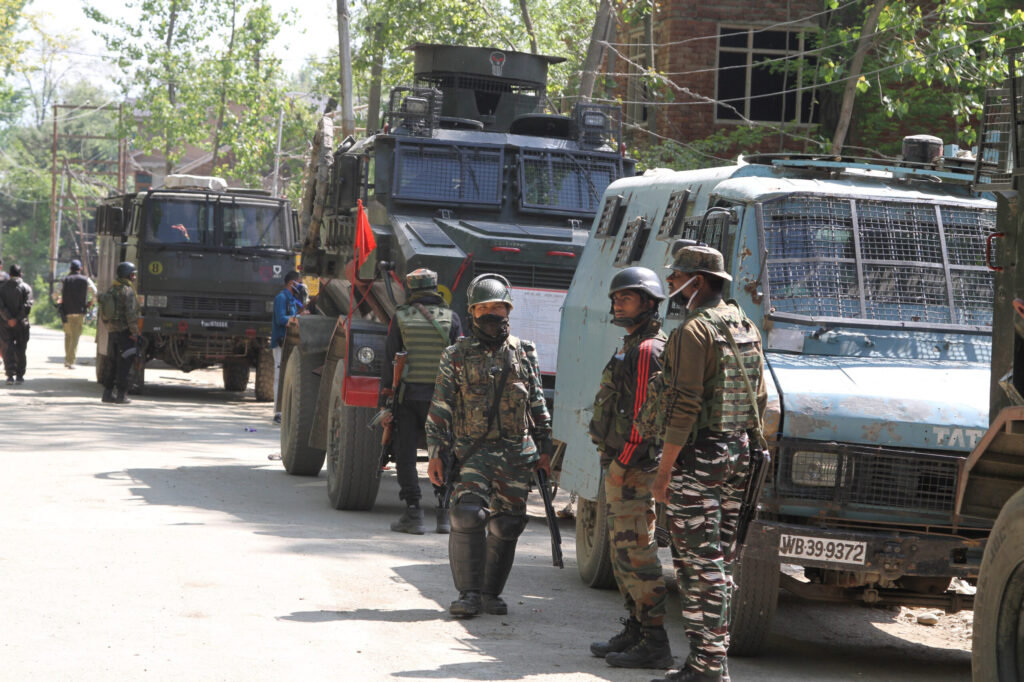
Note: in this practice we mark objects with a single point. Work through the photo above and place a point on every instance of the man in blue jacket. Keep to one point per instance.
(287, 307)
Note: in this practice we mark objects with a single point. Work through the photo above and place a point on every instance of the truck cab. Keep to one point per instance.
(210, 260)
(870, 285)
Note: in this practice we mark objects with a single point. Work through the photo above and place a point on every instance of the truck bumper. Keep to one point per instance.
(196, 326)
(890, 554)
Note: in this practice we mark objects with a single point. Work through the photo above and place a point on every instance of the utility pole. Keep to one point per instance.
(277, 151)
(348, 116)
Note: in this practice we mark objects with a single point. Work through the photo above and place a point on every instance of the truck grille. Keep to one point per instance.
(535, 276)
(863, 476)
(238, 308)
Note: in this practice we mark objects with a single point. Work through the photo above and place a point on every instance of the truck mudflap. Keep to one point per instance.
(889, 554)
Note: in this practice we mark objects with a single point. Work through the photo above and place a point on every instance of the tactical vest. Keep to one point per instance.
(478, 382)
(423, 341)
(74, 294)
(612, 420)
(729, 407)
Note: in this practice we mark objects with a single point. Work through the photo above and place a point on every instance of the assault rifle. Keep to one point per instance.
(390, 395)
(541, 478)
(760, 463)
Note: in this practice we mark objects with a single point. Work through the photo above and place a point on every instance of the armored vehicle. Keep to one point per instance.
(991, 481)
(868, 280)
(468, 175)
(210, 261)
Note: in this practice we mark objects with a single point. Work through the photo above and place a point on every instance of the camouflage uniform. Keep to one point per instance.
(496, 461)
(711, 415)
(120, 330)
(630, 505)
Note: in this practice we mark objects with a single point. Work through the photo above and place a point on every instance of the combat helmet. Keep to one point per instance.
(638, 279)
(488, 288)
(691, 258)
(421, 278)
(125, 270)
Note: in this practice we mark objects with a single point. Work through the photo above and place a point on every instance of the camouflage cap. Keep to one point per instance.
(421, 278)
(700, 259)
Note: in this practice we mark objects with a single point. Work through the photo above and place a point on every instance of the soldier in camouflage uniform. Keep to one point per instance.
(489, 404)
(628, 462)
(706, 457)
(122, 335)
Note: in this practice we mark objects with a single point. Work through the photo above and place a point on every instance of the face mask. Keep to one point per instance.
(491, 327)
(686, 284)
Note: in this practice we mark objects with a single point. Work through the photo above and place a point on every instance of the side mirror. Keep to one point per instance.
(110, 220)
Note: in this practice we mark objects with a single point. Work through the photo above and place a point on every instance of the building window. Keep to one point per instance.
(143, 181)
(637, 90)
(765, 76)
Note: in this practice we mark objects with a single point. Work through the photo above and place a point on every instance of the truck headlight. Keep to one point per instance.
(154, 301)
(817, 469)
(365, 355)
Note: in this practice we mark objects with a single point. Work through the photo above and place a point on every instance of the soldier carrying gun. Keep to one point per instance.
(423, 327)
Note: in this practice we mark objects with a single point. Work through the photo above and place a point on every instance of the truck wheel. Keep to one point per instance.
(298, 405)
(998, 648)
(593, 553)
(137, 379)
(753, 604)
(236, 375)
(353, 454)
(264, 386)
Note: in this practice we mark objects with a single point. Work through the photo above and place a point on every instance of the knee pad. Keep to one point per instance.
(507, 527)
(468, 514)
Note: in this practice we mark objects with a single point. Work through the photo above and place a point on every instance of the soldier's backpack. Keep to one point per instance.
(106, 306)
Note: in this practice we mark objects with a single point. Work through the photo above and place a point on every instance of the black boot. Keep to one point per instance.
(652, 651)
(411, 521)
(121, 397)
(629, 636)
(466, 557)
(501, 553)
(108, 395)
(688, 674)
(444, 526)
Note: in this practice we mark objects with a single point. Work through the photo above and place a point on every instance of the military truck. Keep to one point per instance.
(467, 175)
(991, 482)
(210, 260)
(869, 282)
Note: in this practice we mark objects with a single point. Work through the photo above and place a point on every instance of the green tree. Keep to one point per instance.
(12, 48)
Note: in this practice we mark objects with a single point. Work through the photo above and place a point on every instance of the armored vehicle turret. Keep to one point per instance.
(467, 175)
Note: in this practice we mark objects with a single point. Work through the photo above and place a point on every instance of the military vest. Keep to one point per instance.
(423, 341)
(74, 294)
(477, 384)
(612, 420)
(729, 408)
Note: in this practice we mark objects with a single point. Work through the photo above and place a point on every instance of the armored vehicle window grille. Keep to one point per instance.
(873, 477)
(675, 211)
(524, 275)
(611, 217)
(633, 241)
(907, 264)
(565, 182)
(339, 231)
(431, 172)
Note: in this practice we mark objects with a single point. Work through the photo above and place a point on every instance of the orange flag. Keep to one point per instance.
(365, 243)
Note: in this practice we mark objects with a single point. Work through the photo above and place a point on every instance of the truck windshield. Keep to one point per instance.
(216, 223)
(565, 181)
(913, 263)
(430, 172)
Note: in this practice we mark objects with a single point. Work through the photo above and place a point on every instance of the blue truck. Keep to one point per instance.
(872, 284)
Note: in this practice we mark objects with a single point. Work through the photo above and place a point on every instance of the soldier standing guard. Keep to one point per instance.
(122, 335)
(489, 397)
(628, 462)
(713, 366)
(423, 327)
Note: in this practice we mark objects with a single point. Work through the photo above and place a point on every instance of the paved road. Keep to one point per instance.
(158, 541)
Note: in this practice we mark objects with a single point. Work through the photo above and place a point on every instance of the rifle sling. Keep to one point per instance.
(761, 442)
(430, 318)
(493, 411)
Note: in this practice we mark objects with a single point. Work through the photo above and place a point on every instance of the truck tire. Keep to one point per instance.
(998, 647)
(753, 604)
(593, 552)
(353, 454)
(236, 375)
(264, 385)
(298, 405)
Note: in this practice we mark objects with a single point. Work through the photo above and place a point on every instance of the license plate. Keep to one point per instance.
(822, 549)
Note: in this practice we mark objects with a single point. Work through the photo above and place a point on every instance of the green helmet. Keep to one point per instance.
(488, 288)
(421, 278)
